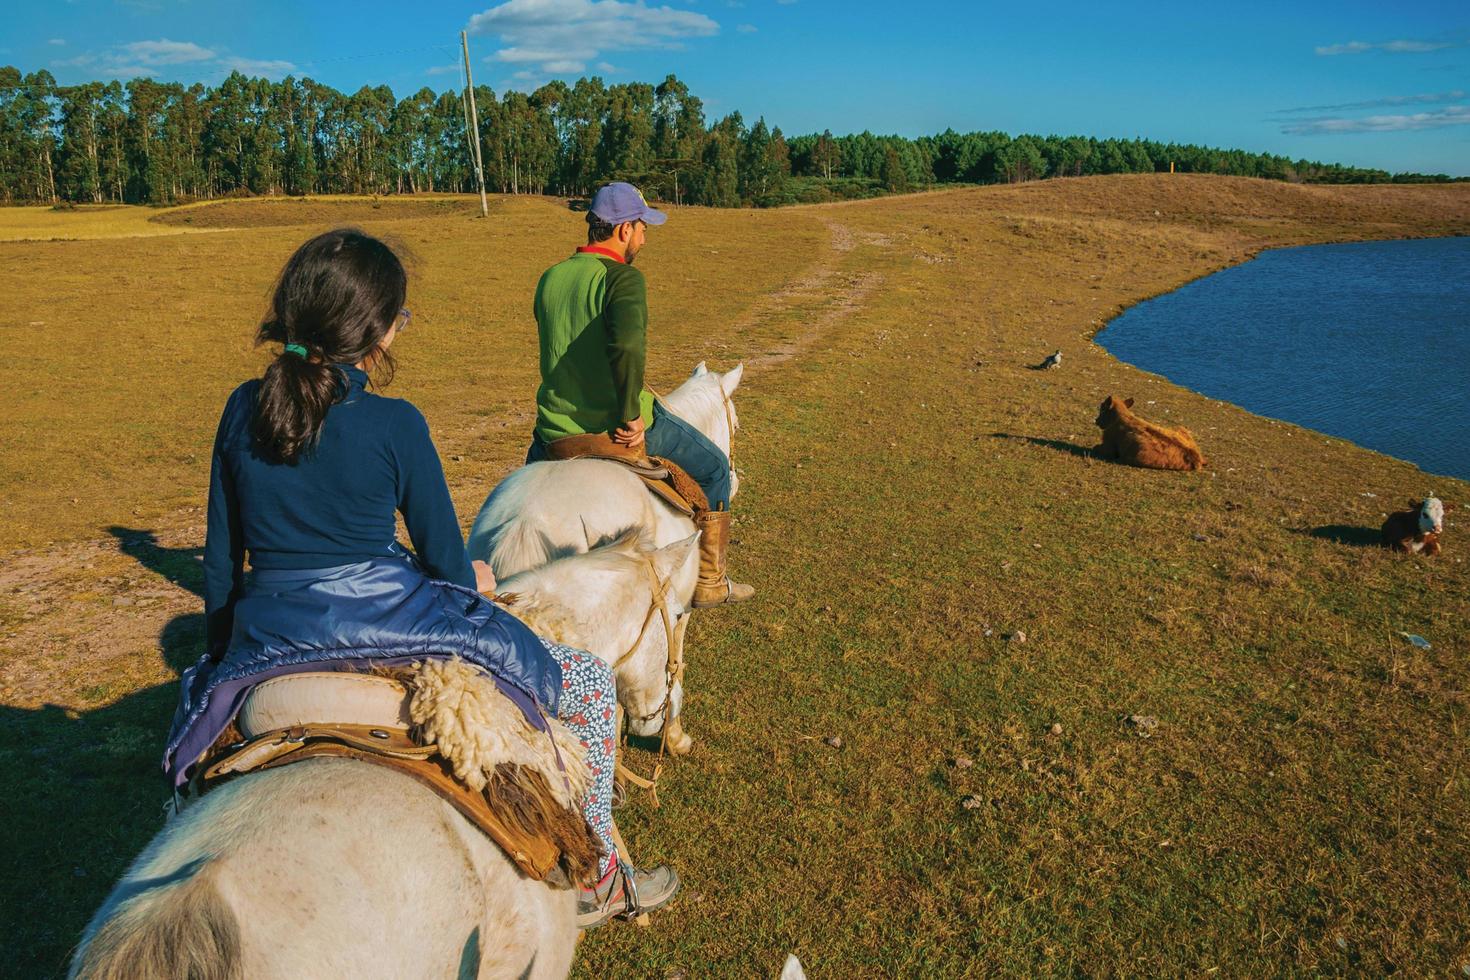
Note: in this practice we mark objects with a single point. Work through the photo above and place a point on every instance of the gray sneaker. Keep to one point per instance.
(626, 893)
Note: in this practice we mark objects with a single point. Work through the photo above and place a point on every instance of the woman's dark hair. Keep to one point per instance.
(598, 230)
(337, 297)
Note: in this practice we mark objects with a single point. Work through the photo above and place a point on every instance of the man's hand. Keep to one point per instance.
(631, 433)
(484, 577)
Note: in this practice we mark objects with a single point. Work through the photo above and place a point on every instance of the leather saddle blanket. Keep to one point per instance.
(367, 717)
(663, 477)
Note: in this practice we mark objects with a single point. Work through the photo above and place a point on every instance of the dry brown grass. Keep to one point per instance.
(1295, 811)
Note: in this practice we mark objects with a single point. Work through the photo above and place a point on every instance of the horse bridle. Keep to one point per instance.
(729, 423)
(673, 674)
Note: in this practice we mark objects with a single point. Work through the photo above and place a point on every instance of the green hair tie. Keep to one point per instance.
(296, 349)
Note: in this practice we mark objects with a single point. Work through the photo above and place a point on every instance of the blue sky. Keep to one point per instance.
(1371, 84)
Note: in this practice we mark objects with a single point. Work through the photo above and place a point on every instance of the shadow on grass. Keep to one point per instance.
(83, 789)
(1058, 444)
(183, 567)
(1362, 537)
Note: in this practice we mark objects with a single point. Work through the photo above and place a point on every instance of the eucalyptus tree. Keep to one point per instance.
(720, 183)
(892, 172)
(410, 135)
(530, 144)
(81, 150)
(626, 147)
(28, 111)
(765, 162)
(226, 123)
(678, 132)
(584, 109)
(298, 121)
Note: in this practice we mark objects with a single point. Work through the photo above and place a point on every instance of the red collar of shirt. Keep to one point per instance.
(599, 250)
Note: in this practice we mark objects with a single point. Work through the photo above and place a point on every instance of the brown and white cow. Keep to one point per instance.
(1417, 529)
(1138, 442)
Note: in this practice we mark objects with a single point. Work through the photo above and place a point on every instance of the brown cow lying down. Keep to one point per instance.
(1137, 442)
(1417, 529)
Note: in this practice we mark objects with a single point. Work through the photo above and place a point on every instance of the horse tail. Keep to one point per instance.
(177, 930)
(517, 547)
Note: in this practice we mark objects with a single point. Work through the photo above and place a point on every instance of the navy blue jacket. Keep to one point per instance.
(373, 613)
(334, 506)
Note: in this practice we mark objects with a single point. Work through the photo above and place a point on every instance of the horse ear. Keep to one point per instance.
(1128, 402)
(792, 969)
(699, 369)
(731, 380)
(671, 558)
(630, 540)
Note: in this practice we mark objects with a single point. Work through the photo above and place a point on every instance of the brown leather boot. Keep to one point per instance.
(715, 587)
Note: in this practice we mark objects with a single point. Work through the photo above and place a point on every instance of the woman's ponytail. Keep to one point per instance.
(292, 405)
(336, 299)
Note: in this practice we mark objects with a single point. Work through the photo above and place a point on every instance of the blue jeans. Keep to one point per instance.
(673, 438)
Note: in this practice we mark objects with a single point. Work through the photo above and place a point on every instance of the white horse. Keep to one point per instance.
(551, 509)
(337, 868)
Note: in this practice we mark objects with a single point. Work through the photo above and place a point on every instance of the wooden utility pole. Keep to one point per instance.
(469, 85)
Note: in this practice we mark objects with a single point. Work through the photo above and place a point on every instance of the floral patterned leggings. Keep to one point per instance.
(589, 709)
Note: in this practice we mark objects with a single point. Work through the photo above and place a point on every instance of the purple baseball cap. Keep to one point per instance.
(618, 202)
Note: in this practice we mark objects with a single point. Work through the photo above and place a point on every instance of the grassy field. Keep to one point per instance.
(912, 494)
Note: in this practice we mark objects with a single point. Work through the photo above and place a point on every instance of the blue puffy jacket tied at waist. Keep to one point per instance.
(382, 612)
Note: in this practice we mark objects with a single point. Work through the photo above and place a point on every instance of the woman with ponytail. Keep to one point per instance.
(310, 470)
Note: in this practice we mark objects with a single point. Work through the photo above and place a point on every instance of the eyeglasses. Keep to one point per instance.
(406, 316)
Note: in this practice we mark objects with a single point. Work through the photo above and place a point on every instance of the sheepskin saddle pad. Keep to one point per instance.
(663, 477)
(444, 723)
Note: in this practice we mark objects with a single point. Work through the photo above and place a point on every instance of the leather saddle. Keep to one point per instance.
(664, 478)
(343, 715)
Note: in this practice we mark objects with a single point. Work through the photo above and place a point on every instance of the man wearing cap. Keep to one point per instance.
(592, 317)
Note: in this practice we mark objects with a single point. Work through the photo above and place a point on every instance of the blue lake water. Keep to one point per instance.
(1369, 341)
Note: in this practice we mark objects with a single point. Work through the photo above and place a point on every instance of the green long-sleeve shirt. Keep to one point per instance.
(592, 319)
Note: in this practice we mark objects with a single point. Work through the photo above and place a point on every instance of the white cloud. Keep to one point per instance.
(1393, 47)
(1412, 47)
(1429, 98)
(165, 52)
(166, 58)
(274, 69)
(554, 34)
(452, 68)
(745, 28)
(610, 68)
(58, 41)
(1457, 115)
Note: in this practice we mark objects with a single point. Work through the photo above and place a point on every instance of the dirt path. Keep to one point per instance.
(816, 302)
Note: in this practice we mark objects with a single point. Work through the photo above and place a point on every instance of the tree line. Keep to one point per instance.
(149, 142)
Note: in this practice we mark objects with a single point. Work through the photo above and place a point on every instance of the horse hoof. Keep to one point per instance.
(681, 744)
